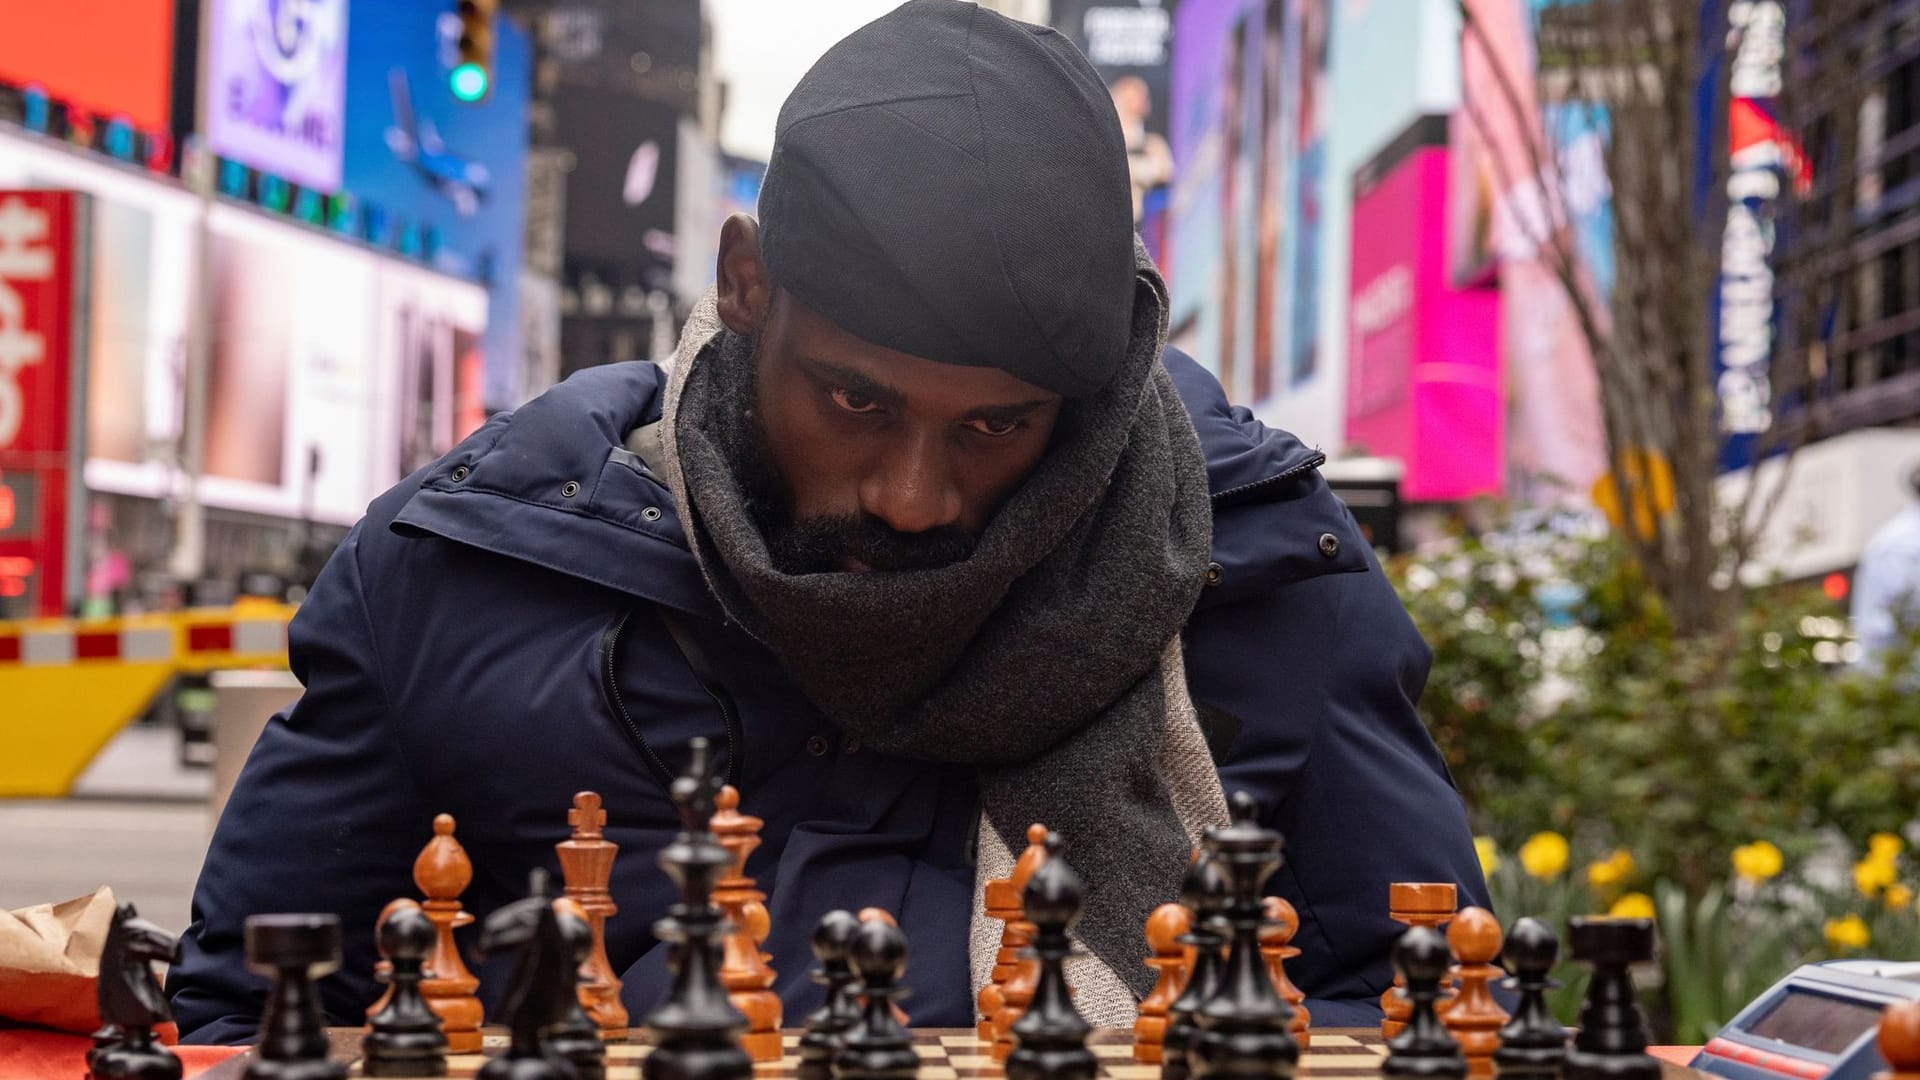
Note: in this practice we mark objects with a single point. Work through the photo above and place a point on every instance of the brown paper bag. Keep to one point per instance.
(50, 962)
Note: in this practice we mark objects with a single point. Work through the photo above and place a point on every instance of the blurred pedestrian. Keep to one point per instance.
(1886, 587)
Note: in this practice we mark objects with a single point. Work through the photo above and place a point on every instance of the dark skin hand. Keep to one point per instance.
(859, 429)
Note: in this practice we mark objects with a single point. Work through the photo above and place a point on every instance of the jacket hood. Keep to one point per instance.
(552, 483)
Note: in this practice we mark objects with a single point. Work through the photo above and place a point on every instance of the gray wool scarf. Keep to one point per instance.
(1048, 659)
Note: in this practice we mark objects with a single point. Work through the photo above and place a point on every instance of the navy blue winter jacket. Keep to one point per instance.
(490, 640)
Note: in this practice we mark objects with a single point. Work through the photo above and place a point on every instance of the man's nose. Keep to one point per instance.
(913, 489)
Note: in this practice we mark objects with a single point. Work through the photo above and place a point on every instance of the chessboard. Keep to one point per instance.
(945, 1054)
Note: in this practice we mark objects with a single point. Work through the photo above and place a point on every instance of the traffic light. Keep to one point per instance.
(471, 77)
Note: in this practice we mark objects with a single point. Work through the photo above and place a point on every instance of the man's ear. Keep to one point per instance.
(742, 287)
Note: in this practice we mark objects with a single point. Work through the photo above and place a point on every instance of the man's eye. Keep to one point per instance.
(853, 401)
(995, 428)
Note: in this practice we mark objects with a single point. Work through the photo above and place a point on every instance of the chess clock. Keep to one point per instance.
(1818, 1023)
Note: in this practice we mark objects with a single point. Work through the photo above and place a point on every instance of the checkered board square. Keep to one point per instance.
(959, 1055)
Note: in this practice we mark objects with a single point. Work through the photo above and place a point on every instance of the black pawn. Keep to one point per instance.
(1532, 1044)
(1050, 1038)
(828, 1025)
(1205, 893)
(696, 1031)
(293, 950)
(575, 1036)
(1425, 1048)
(1245, 1027)
(1612, 1042)
(877, 1047)
(405, 1038)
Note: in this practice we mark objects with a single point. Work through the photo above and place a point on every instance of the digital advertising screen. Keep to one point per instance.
(118, 63)
(450, 173)
(276, 86)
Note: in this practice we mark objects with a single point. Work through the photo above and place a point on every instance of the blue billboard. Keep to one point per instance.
(439, 178)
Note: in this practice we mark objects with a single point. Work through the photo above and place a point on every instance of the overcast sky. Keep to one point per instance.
(762, 47)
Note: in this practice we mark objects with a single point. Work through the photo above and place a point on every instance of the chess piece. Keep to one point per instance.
(1612, 1039)
(1016, 993)
(1425, 903)
(1899, 1041)
(1533, 1045)
(586, 864)
(131, 1003)
(1050, 1038)
(1003, 902)
(748, 979)
(574, 1035)
(404, 1037)
(1475, 1018)
(877, 1047)
(383, 967)
(1423, 1048)
(1276, 945)
(695, 1031)
(1165, 927)
(1204, 892)
(107, 1036)
(829, 1024)
(1245, 1027)
(544, 975)
(442, 873)
(885, 916)
(293, 950)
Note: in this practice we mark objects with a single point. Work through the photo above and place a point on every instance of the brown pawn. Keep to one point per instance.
(442, 873)
(1415, 903)
(1003, 902)
(1017, 992)
(1277, 947)
(1167, 923)
(586, 865)
(1899, 1041)
(743, 971)
(1475, 1018)
(884, 916)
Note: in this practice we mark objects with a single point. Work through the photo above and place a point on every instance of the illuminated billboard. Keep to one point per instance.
(451, 174)
(1423, 371)
(116, 63)
(276, 86)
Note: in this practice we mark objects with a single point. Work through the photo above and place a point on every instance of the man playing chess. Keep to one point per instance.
(926, 530)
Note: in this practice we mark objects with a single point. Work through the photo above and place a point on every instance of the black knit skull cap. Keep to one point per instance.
(951, 183)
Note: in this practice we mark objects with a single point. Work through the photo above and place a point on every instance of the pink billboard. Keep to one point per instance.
(1423, 374)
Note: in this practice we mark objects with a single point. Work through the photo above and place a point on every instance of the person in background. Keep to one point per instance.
(1886, 587)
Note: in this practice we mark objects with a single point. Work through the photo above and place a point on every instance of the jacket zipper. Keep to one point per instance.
(609, 643)
(696, 659)
(1318, 459)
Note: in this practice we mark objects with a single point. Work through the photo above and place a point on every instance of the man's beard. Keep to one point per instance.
(833, 543)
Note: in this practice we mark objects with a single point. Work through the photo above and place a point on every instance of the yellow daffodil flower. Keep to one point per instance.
(1756, 862)
(1898, 897)
(1871, 875)
(1848, 934)
(1885, 846)
(1483, 846)
(1612, 871)
(1544, 855)
(1634, 905)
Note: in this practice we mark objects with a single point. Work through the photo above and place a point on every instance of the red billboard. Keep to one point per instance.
(40, 234)
(114, 59)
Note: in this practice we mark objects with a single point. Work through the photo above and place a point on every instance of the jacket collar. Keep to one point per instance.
(559, 484)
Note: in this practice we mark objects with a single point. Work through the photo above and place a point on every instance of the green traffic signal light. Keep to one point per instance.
(468, 82)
